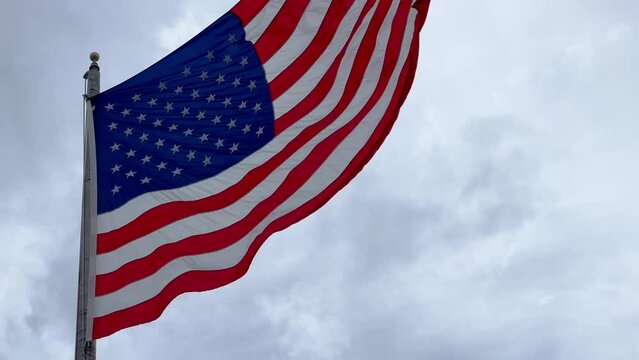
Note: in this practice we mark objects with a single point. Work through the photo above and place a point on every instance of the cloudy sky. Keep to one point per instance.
(498, 221)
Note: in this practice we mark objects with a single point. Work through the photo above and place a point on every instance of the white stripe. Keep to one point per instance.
(255, 29)
(150, 287)
(300, 39)
(136, 207)
(219, 219)
(312, 77)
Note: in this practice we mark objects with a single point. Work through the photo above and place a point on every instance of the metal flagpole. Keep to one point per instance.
(85, 348)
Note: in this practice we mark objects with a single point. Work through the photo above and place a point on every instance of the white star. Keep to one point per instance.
(195, 94)
(115, 169)
(237, 82)
(158, 144)
(144, 137)
(220, 79)
(162, 86)
(116, 189)
(136, 98)
(231, 124)
(244, 61)
(242, 105)
(115, 147)
(179, 89)
(252, 85)
(188, 132)
(217, 119)
(153, 102)
(211, 98)
(131, 153)
(113, 126)
(191, 155)
(204, 137)
(187, 71)
(219, 143)
(128, 132)
(158, 122)
(177, 171)
(207, 161)
(235, 147)
(126, 112)
(227, 59)
(205, 75)
(141, 118)
(200, 115)
(175, 149)
(257, 107)
(169, 107)
(173, 127)
(232, 38)
(227, 102)
(210, 55)
(109, 107)
(146, 180)
(161, 166)
(247, 129)
(186, 111)
(130, 174)
(146, 159)
(260, 131)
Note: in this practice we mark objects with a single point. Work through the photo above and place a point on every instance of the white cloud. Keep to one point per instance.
(194, 17)
(306, 324)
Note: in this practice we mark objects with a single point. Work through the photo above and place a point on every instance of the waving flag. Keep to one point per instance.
(246, 129)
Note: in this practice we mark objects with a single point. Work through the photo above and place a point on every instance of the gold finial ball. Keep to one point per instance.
(94, 56)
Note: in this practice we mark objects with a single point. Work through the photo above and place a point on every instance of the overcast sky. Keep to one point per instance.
(498, 221)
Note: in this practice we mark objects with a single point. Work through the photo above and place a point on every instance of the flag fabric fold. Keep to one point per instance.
(243, 131)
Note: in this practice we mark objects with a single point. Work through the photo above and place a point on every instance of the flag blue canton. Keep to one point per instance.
(197, 112)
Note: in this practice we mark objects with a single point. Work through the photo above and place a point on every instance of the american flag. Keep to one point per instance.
(243, 131)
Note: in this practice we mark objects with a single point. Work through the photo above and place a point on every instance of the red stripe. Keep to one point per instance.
(203, 280)
(165, 214)
(317, 46)
(220, 239)
(247, 10)
(280, 29)
(422, 7)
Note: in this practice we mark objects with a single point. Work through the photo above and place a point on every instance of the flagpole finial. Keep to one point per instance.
(93, 76)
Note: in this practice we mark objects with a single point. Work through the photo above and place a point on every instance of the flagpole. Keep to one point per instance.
(85, 348)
